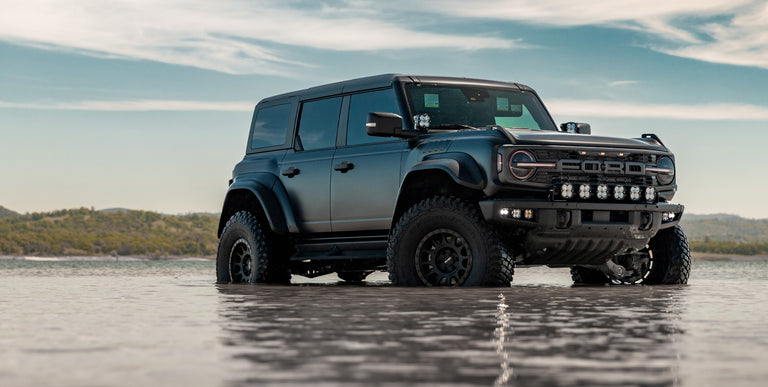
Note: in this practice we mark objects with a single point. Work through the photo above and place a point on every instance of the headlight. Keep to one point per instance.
(518, 167)
(665, 170)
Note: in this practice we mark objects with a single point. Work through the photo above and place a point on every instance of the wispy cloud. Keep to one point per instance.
(622, 83)
(232, 36)
(135, 105)
(704, 112)
(720, 31)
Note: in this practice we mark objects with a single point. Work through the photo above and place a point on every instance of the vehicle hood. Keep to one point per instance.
(530, 137)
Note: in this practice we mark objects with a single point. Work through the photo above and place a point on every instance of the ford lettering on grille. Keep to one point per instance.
(607, 167)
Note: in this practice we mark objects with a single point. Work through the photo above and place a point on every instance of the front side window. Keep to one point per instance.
(359, 107)
(446, 106)
(270, 126)
(318, 123)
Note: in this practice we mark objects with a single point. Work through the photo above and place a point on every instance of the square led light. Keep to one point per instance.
(650, 194)
(516, 213)
(634, 193)
(602, 192)
(504, 211)
(528, 214)
(584, 191)
(566, 191)
(618, 192)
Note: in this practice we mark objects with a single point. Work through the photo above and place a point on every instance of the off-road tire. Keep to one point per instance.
(490, 264)
(353, 276)
(586, 276)
(243, 237)
(671, 257)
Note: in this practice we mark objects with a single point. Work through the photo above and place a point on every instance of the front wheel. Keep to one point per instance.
(671, 257)
(444, 241)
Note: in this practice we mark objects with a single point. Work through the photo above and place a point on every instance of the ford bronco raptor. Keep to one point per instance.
(444, 182)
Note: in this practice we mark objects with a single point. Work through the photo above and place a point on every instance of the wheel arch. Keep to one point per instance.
(430, 179)
(265, 197)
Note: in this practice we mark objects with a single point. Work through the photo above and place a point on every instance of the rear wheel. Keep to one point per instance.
(444, 241)
(247, 254)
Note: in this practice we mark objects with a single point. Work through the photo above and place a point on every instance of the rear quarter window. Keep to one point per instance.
(270, 126)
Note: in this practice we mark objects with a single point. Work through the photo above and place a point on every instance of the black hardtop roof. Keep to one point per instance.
(386, 80)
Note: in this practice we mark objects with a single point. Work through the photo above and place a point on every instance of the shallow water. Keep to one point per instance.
(168, 323)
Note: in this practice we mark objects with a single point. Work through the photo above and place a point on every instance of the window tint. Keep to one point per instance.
(318, 123)
(270, 126)
(359, 107)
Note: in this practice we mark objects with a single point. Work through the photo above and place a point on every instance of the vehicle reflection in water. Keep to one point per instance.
(526, 335)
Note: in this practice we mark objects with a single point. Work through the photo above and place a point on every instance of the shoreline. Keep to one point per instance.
(102, 258)
(703, 257)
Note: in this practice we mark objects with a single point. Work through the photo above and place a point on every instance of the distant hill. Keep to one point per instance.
(121, 232)
(725, 227)
(6, 213)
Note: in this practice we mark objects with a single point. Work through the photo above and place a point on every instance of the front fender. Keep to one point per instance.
(461, 167)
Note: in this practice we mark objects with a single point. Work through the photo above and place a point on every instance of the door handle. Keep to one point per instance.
(290, 172)
(344, 166)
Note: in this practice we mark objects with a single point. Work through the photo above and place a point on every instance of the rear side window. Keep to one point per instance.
(318, 123)
(359, 107)
(270, 126)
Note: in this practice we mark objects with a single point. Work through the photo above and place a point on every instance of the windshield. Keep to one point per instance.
(452, 107)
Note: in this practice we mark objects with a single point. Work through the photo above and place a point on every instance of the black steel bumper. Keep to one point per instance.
(567, 233)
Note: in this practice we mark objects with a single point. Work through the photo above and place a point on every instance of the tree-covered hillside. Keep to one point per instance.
(89, 232)
(6, 213)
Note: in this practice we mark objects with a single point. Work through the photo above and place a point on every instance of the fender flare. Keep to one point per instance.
(272, 199)
(461, 167)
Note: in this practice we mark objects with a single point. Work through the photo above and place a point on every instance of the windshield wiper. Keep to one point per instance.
(452, 126)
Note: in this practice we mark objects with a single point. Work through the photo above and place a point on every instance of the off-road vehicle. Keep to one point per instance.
(444, 181)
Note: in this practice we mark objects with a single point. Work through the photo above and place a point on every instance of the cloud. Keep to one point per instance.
(704, 112)
(135, 105)
(720, 31)
(231, 36)
(622, 83)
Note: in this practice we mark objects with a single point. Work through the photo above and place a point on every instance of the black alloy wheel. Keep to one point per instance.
(443, 258)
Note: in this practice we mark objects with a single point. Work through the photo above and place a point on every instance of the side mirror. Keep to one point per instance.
(576, 127)
(386, 125)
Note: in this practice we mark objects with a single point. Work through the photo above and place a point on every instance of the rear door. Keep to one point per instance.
(305, 171)
(366, 169)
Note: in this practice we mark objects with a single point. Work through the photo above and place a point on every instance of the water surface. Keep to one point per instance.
(168, 323)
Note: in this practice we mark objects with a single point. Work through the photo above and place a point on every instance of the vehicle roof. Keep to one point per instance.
(386, 80)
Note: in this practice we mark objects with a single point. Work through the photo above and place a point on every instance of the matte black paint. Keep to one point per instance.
(337, 204)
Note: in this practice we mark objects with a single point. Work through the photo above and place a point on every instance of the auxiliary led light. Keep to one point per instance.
(516, 213)
(618, 192)
(602, 192)
(504, 211)
(634, 193)
(665, 216)
(650, 194)
(566, 191)
(584, 191)
(528, 214)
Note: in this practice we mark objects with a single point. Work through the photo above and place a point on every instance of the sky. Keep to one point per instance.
(146, 104)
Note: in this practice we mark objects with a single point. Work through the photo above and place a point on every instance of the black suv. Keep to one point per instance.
(444, 182)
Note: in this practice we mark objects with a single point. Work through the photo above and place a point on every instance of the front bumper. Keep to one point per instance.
(568, 233)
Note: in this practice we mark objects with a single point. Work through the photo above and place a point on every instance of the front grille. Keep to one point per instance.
(557, 178)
